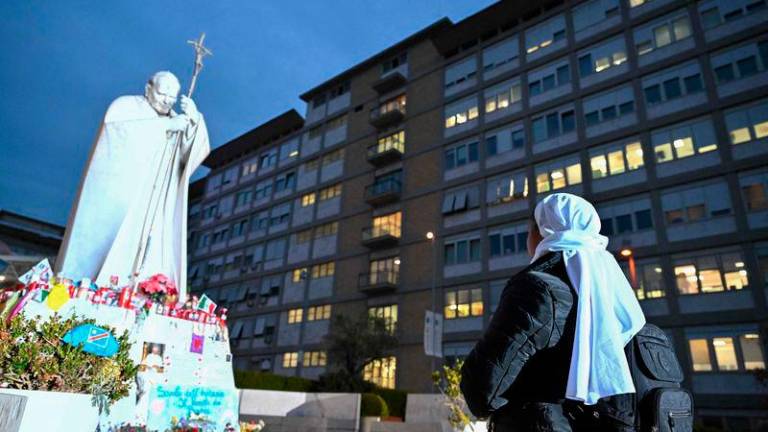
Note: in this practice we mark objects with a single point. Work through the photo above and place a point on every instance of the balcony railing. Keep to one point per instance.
(383, 191)
(389, 82)
(391, 116)
(379, 154)
(381, 235)
(382, 280)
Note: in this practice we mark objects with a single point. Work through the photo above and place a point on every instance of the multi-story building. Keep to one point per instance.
(25, 241)
(656, 111)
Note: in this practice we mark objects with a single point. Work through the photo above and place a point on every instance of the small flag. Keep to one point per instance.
(42, 271)
(206, 304)
(93, 339)
(58, 297)
(197, 343)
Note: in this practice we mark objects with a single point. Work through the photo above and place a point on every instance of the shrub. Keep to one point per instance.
(396, 400)
(33, 357)
(372, 405)
(298, 384)
(270, 381)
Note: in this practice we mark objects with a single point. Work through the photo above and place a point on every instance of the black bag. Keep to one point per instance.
(662, 405)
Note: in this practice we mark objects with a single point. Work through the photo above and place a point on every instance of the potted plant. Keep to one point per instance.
(67, 385)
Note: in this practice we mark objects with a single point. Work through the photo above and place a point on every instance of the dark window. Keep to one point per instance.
(450, 254)
(643, 219)
(763, 48)
(592, 118)
(490, 145)
(548, 82)
(754, 6)
(534, 88)
(606, 227)
(522, 241)
(553, 127)
(461, 252)
(569, 121)
(672, 89)
(724, 73)
(653, 94)
(693, 83)
(559, 35)
(627, 107)
(461, 155)
(473, 152)
(732, 15)
(720, 212)
(495, 241)
(608, 113)
(509, 244)
(747, 66)
(518, 139)
(450, 160)
(563, 75)
(539, 129)
(623, 223)
(710, 18)
(474, 250)
(585, 65)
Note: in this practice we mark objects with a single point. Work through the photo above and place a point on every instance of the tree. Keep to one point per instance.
(352, 343)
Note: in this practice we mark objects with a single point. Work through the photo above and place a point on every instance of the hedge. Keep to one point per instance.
(372, 405)
(395, 399)
(270, 381)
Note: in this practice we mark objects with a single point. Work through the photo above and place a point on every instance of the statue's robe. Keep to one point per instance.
(133, 181)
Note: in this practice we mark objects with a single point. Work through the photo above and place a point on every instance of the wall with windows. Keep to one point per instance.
(754, 195)
(462, 255)
(712, 280)
(507, 246)
(685, 147)
(722, 18)
(747, 127)
(549, 82)
(739, 69)
(602, 61)
(545, 38)
(461, 116)
(617, 164)
(502, 99)
(560, 175)
(553, 128)
(501, 57)
(663, 37)
(504, 144)
(609, 111)
(674, 89)
(595, 16)
(697, 209)
(460, 76)
(507, 193)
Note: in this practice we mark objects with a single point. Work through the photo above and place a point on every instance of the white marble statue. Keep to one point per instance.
(129, 217)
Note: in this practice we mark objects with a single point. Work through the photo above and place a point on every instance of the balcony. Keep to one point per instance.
(379, 154)
(379, 281)
(383, 191)
(381, 119)
(389, 82)
(381, 235)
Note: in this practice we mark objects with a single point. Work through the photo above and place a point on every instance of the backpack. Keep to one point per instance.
(662, 405)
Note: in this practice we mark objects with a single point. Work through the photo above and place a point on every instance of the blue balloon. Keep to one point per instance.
(94, 340)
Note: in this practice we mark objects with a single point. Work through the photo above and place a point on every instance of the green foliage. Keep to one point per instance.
(395, 399)
(353, 342)
(447, 381)
(33, 357)
(372, 405)
(270, 381)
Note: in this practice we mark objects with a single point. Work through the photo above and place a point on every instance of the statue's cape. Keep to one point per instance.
(121, 184)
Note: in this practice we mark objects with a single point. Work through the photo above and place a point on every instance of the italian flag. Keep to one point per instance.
(206, 304)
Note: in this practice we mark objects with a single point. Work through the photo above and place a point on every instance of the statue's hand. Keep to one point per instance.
(189, 108)
(178, 123)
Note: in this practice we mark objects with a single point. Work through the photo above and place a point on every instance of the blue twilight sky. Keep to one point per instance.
(63, 61)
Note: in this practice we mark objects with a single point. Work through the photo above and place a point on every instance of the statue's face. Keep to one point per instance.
(162, 94)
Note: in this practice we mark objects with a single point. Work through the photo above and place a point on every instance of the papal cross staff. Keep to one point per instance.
(141, 254)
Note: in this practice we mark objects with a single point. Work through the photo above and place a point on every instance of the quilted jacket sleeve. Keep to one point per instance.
(521, 325)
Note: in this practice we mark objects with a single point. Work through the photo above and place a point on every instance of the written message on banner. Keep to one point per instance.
(201, 407)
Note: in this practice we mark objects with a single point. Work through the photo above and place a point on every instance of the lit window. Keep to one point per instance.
(725, 353)
(299, 274)
(634, 155)
(387, 313)
(295, 316)
(599, 166)
(616, 162)
(687, 281)
(463, 303)
(290, 360)
(700, 355)
(381, 372)
(308, 199)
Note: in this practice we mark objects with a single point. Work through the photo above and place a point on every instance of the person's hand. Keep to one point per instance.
(189, 108)
(178, 123)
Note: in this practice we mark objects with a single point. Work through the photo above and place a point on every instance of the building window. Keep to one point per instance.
(388, 313)
(503, 141)
(754, 189)
(695, 204)
(748, 123)
(711, 16)
(542, 36)
(549, 77)
(500, 54)
(263, 190)
(670, 29)
(461, 72)
(330, 192)
(464, 303)
(308, 199)
(394, 104)
(392, 141)
(608, 106)
(460, 201)
(242, 198)
(646, 278)
(711, 273)
(339, 90)
(326, 230)
(740, 62)
(683, 141)
(299, 274)
(381, 372)
(239, 228)
(394, 62)
(333, 156)
(314, 359)
(323, 270)
(508, 241)
(461, 113)
(389, 224)
(553, 124)
(285, 182)
(290, 360)
(319, 313)
(295, 315)
(507, 188)
(462, 251)
(673, 84)
(603, 57)
(303, 236)
(268, 160)
(461, 155)
(726, 357)
(613, 161)
(501, 97)
(594, 12)
(557, 175)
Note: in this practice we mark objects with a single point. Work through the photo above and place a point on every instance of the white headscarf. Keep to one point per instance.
(608, 315)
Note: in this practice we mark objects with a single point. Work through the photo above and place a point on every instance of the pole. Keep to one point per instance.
(434, 273)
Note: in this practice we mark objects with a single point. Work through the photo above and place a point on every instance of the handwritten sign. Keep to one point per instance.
(204, 407)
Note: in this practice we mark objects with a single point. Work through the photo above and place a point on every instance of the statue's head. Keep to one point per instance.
(161, 91)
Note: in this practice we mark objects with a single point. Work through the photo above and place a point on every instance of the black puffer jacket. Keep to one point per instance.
(518, 371)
